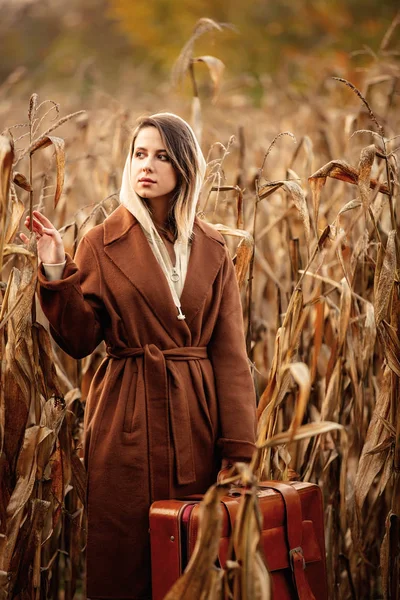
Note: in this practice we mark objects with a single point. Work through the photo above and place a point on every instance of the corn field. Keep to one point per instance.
(305, 189)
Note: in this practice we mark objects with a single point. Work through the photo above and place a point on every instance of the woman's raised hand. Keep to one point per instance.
(49, 243)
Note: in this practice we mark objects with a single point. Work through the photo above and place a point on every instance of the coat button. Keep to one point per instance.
(172, 538)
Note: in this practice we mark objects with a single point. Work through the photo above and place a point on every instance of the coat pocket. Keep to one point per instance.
(130, 401)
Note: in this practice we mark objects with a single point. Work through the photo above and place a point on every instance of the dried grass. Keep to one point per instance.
(321, 293)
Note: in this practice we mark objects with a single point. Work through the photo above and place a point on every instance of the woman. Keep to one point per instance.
(174, 396)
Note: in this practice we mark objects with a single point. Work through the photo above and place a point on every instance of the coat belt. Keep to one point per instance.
(164, 411)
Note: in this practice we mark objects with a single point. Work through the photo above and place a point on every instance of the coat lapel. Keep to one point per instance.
(206, 257)
(127, 246)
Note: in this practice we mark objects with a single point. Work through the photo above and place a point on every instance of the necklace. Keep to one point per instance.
(175, 275)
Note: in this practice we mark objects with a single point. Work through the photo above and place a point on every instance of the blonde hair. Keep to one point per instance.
(183, 151)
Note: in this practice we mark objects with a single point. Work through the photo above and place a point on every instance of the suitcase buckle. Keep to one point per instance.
(298, 550)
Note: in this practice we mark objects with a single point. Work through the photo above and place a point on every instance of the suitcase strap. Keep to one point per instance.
(294, 519)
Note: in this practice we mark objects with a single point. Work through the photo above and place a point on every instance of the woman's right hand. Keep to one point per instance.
(49, 243)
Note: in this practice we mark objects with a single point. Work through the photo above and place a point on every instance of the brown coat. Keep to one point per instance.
(170, 399)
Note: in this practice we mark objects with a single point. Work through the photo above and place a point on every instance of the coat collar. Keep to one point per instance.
(127, 246)
(118, 224)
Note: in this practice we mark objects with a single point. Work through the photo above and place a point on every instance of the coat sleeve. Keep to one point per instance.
(233, 380)
(73, 303)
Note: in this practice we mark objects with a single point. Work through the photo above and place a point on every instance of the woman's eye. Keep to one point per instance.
(163, 157)
(138, 154)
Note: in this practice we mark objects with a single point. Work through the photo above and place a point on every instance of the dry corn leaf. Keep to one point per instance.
(281, 463)
(391, 346)
(311, 430)
(269, 188)
(42, 140)
(302, 433)
(59, 148)
(6, 159)
(21, 181)
(301, 374)
(371, 464)
(5, 587)
(296, 192)
(350, 206)
(57, 485)
(184, 59)
(39, 510)
(79, 477)
(389, 557)
(384, 559)
(369, 336)
(367, 158)
(268, 392)
(26, 469)
(318, 336)
(199, 576)
(387, 471)
(244, 250)
(316, 185)
(9, 313)
(251, 581)
(345, 310)
(19, 353)
(18, 210)
(47, 373)
(244, 253)
(386, 279)
(4, 306)
(378, 266)
(216, 68)
(331, 402)
(15, 249)
(53, 412)
(340, 169)
(75, 549)
(298, 196)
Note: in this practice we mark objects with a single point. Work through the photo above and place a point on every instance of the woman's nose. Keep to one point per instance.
(147, 164)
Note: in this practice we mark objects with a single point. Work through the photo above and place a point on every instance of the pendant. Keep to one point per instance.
(174, 275)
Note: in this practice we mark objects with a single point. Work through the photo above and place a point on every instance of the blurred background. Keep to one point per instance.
(118, 44)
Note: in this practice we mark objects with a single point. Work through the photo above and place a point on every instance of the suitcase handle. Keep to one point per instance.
(294, 520)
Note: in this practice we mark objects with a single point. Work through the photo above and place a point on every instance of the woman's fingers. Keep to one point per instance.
(24, 238)
(43, 220)
(39, 228)
(49, 231)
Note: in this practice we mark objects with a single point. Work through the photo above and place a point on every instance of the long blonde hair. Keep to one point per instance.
(187, 159)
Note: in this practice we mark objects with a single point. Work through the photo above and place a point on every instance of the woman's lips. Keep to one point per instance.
(145, 180)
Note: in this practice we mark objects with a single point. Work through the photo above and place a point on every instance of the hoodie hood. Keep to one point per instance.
(133, 202)
(175, 275)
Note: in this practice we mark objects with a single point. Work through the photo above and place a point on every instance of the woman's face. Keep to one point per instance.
(152, 173)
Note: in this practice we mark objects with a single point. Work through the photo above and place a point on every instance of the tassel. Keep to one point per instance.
(181, 316)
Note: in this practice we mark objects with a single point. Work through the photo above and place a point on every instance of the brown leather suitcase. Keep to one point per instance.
(292, 539)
